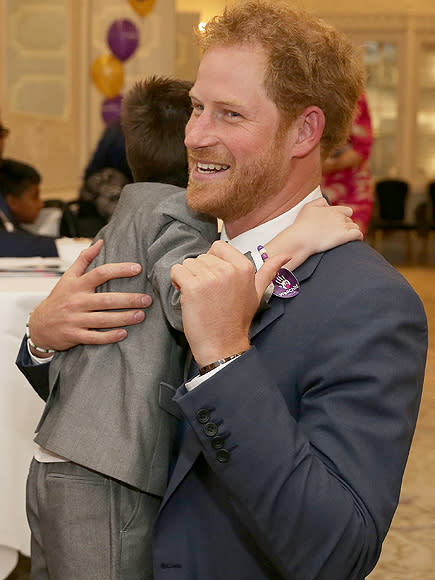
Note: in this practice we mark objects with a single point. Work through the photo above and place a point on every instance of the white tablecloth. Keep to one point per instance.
(20, 406)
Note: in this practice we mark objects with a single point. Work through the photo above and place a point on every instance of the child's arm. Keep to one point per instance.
(183, 235)
(317, 228)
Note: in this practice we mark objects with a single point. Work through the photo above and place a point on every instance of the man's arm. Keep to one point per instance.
(328, 474)
(73, 310)
(220, 294)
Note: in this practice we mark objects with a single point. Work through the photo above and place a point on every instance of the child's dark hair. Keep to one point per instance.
(154, 115)
(16, 177)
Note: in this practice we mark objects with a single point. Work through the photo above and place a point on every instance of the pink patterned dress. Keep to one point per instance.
(354, 186)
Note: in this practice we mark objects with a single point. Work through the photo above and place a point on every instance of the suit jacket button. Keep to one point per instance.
(218, 442)
(223, 455)
(210, 429)
(203, 416)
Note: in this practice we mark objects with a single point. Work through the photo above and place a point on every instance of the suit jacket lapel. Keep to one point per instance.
(306, 269)
(276, 306)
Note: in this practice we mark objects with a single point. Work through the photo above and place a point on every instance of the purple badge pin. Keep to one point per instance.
(285, 284)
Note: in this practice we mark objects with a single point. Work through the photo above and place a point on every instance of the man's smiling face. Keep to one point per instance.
(237, 158)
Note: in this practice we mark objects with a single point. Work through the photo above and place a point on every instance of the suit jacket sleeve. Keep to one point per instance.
(182, 234)
(37, 375)
(317, 483)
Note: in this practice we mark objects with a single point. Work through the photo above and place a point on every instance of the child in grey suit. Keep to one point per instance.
(105, 436)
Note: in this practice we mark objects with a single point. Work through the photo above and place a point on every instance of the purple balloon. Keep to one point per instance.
(111, 109)
(123, 38)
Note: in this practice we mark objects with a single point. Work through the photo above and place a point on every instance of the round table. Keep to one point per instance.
(20, 406)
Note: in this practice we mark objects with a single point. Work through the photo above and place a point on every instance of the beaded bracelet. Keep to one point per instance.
(32, 344)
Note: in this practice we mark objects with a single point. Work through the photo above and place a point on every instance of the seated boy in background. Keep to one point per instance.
(104, 440)
(20, 204)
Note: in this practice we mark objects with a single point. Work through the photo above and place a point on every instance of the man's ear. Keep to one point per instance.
(310, 125)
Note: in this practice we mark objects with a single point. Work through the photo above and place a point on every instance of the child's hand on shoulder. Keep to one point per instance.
(322, 226)
(317, 228)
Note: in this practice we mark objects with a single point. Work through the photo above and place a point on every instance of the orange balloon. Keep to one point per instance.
(108, 75)
(142, 7)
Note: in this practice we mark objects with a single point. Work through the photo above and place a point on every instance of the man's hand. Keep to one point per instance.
(72, 311)
(220, 294)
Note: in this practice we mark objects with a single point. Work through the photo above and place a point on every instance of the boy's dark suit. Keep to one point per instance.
(20, 243)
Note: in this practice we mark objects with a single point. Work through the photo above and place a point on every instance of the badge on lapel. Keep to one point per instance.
(285, 283)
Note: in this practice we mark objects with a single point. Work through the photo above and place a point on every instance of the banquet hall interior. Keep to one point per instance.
(62, 76)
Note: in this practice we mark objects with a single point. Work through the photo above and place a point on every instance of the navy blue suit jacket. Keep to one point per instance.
(21, 244)
(292, 457)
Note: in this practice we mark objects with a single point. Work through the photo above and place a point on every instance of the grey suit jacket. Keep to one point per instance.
(104, 407)
(292, 456)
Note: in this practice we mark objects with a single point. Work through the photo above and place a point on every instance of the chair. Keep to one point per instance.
(390, 209)
(86, 219)
(67, 222)
(431, 195)
(428, 219)
(78, 219)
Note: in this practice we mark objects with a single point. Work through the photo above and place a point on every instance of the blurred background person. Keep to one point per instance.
(110, 153)
(4, 132)
(105, 175)
(346, 173)
(20, 203)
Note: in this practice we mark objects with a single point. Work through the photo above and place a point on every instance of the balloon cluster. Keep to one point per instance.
(107, 70)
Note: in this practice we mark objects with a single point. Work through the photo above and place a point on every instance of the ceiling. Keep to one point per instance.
(206, 8)
(209, 8)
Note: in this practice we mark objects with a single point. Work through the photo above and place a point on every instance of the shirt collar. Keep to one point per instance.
(265, 232)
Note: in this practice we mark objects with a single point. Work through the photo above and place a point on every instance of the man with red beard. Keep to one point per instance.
(296, 421)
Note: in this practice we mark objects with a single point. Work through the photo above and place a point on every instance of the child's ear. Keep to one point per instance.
(310, 125)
